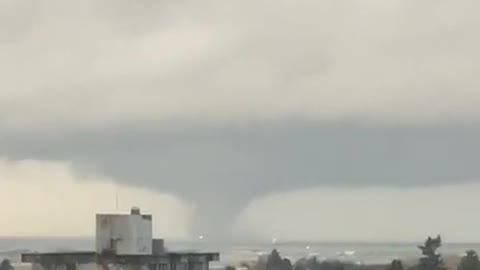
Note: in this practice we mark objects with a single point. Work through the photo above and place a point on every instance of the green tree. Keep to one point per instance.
(301, 264)
(395, 265)
(276, 262)
(339, 266)
(5, 265)
(470, 261)
(430, 259)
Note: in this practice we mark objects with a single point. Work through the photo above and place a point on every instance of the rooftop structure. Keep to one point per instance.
(123, 242)
(124, 234)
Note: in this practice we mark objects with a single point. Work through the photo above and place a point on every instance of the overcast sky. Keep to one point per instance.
(230, 115)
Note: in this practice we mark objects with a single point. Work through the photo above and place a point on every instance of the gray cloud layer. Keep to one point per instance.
(273, 155)
(88, 64)
(232, 165)
(239, 99)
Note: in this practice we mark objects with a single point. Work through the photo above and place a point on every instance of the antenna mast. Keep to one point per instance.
(117, 197)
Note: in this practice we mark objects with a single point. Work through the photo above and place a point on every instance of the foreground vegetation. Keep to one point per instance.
(5, 265)
(430, 259)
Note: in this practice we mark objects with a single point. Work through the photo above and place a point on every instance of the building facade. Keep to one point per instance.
(122, 242)
(124, 234)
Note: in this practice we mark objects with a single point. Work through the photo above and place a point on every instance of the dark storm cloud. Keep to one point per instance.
(269, 84)
(242, 162)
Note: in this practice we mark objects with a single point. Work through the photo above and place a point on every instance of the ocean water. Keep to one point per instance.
(233, 253)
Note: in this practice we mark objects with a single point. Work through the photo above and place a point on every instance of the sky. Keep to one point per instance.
(242, 117)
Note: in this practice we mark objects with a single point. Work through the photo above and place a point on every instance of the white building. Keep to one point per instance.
(124, 234)
(123, 242)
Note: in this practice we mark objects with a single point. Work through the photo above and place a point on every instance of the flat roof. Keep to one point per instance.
(89, 257)
(88, 253)
(144, 216)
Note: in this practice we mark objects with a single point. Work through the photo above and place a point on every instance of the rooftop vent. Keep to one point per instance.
(135, 211)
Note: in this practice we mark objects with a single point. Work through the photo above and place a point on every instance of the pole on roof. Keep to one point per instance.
(117, 197)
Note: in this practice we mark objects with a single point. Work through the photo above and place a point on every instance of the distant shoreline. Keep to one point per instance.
(255, 242)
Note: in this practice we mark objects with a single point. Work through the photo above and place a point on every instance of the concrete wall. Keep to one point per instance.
(124, 234)
(179, 265)
(158, 246)
(88, 266)
(60, 266)
(93, 266)
(119, 267)
(22, 266)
